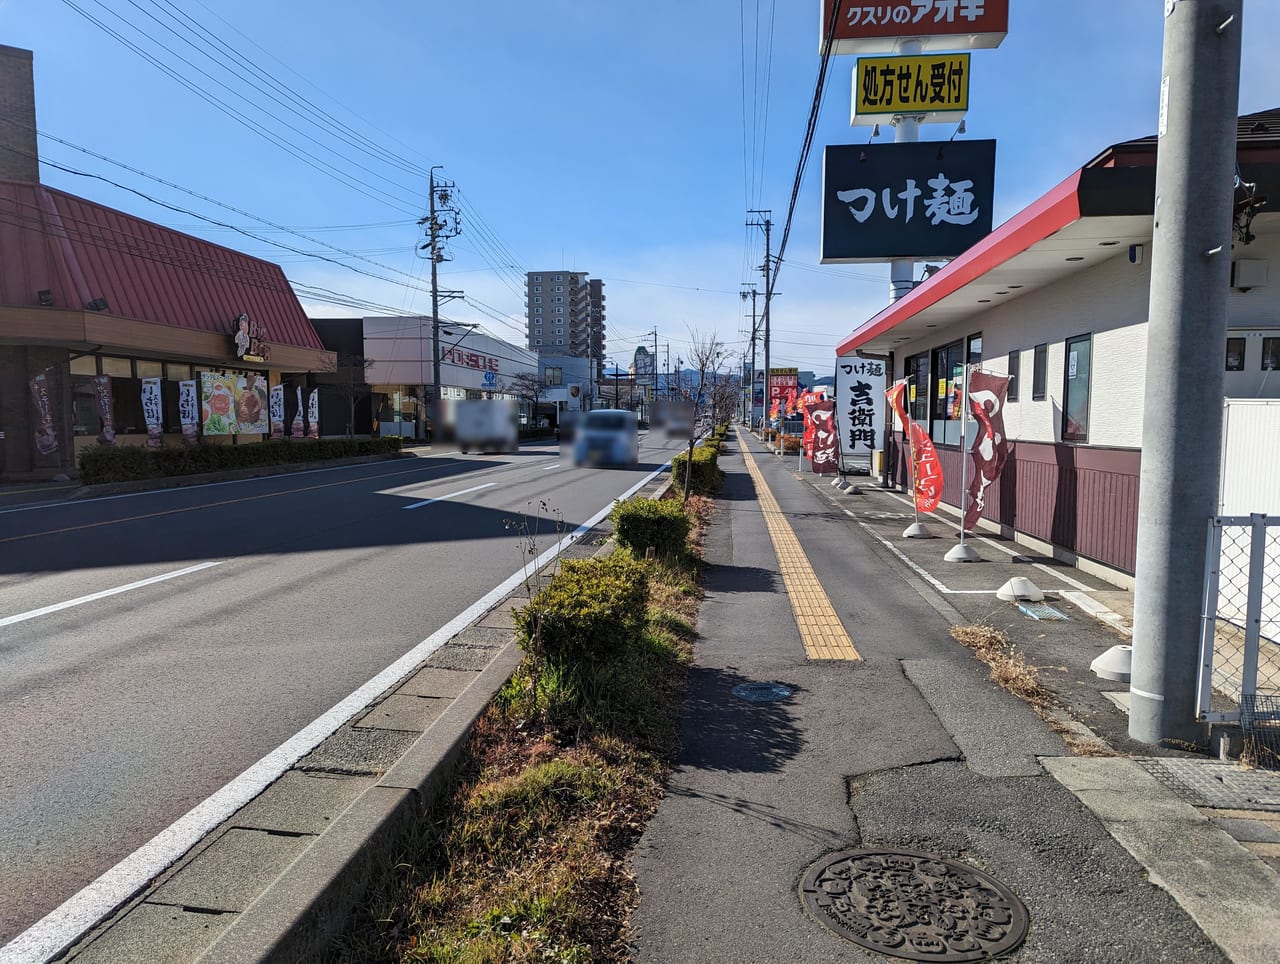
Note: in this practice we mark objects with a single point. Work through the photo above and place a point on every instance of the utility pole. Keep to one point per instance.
(443, 221)
(767, 224)
(751, 379)
(1187, 323)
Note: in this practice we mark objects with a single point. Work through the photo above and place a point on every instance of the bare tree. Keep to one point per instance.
(529, 388)
(707, 352)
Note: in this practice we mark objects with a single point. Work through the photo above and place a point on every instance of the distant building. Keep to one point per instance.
(565, 315)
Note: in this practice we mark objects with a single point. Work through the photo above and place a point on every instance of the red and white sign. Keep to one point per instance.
(926, 470)
(825, 452)
(990, 446)
(876, 26)
(470, 359)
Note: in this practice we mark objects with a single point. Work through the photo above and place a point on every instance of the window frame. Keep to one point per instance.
(1079, 437)
(1040, 373)
(1014, 371)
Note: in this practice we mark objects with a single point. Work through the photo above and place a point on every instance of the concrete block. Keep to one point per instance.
(235, 869)
(402, 712)
(350, 750)
(433, 681)
(155, 934)
(304, 803)
(453, 655)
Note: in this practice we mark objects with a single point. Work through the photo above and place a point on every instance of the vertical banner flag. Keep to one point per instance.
(807, 401)
(926, 470)
(251, 405)
(825, 444)
(46, 438)
(187, 408)
(860, 399)
(151, 412)
(295, 428)
(313, 413)
(990, 447)
(790, 402)
(106, 409)
(275, 406)
(217, 403)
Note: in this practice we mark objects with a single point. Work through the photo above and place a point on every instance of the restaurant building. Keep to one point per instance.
(107, 320)
(1057, 298)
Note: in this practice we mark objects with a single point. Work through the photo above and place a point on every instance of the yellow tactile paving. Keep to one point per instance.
(820, 628)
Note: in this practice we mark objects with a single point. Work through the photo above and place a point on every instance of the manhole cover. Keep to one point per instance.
(761, 692)
(914, 906)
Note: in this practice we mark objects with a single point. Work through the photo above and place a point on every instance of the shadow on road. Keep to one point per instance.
(724, 732)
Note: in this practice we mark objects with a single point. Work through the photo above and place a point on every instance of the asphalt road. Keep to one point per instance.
(155, 646)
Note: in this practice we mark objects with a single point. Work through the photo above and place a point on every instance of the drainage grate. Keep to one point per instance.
(761, 692)
(914, 906)
(1042, 611)
(1210, 783)
(1260, 723)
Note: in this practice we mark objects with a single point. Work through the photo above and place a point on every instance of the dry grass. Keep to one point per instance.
(1010, 669)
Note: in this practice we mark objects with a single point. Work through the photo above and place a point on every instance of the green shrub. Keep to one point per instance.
(127, 463)
(660, 523)
(705, 477)
(590, 610)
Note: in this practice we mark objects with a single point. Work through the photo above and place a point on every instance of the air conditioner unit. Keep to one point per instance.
(1248, 273)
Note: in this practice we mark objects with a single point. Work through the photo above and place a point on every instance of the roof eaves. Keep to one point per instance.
(1051, 213)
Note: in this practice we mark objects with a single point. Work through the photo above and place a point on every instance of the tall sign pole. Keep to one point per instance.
(1186, 338)
(767, 268)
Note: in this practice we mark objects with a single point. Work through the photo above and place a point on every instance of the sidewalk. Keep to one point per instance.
(910, 751)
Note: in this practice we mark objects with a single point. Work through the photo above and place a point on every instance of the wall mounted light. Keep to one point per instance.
(97, 304)
(45, 296)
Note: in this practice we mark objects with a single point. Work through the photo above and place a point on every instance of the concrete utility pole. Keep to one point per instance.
(767, 269)
(442, 222)
(751, 380)
(1186, 336)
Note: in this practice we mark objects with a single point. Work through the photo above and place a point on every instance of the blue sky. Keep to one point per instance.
(626, 140)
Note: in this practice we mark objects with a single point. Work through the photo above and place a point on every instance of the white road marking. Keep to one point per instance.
(61, 927)
(548, 468)
(474, 488)
(93, 597)
(916, 568)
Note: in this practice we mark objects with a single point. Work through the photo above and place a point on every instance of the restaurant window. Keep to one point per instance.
(916, 371)
(945, 392)
(117, 367)
(1075, 392)
(1235, 355)
(84, 365)
(84, 407)
(1015, 368)
(1039, 373)
(145, 368)
(176, 372)
(1270, 354)
(975, 349)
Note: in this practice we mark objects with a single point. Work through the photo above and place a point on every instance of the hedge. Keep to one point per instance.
(129, 463)
(705, 477)
(590, 610)
(660, 523)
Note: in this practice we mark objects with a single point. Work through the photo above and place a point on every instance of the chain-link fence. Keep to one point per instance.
(1240, 632)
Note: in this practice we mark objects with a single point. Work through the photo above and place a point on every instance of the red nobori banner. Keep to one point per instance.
(824, 456)
(46, 436)
(926, 469)
(872, 26)
(990, 446)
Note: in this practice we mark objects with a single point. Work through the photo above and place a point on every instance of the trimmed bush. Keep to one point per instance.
(128, 463)
(590, 610)
(661, 523)
(705, 477)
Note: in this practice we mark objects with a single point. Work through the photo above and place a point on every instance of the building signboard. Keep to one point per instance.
(860, 401)
(912, 200)
(875, 26)
(782, 382)
(934, 87)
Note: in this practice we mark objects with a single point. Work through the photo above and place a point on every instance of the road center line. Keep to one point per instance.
(442, 498)
(62, 926)
(92, 597)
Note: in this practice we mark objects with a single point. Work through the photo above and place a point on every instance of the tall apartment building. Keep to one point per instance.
(565, 312)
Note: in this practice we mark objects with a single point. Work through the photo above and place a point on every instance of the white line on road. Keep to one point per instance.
(62, 926)
(92, 597)
(548, 468)
(474, 488)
